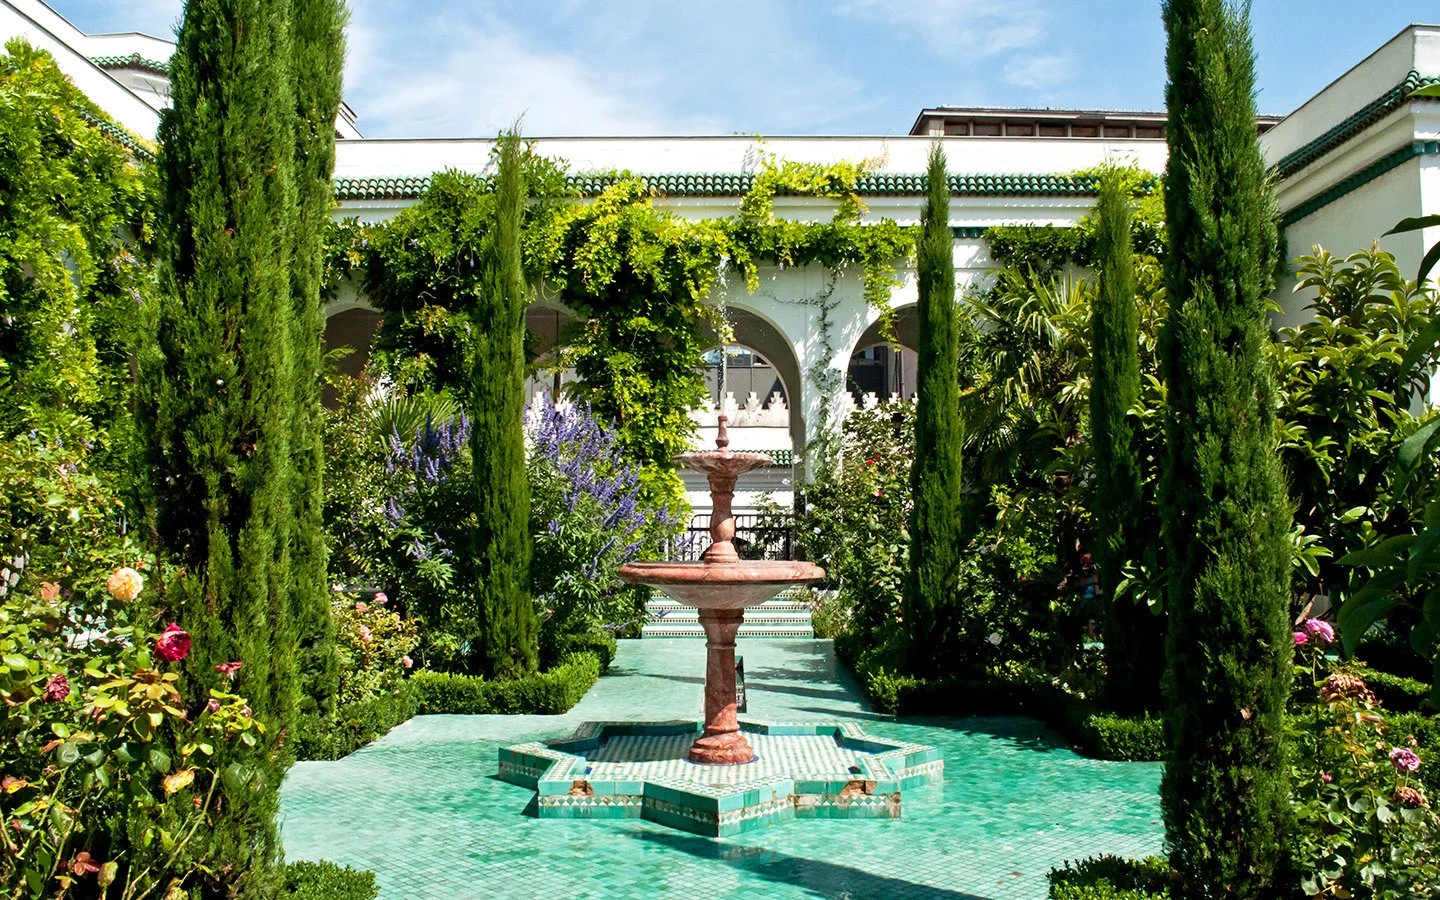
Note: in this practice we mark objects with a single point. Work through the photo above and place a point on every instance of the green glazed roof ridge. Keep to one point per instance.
(120, 135)
(735, 184)
(1353, 124)
(133, 61)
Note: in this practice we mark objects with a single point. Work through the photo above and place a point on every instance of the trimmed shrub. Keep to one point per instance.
(1102, 735)
(1110, 736)
(327, 881)
(544, 693)
(354, 725)
(1112, 878)
(1397, 692)
(599, 644)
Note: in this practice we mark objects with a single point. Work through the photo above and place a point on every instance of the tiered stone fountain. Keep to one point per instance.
(721, 586)
(716, 784)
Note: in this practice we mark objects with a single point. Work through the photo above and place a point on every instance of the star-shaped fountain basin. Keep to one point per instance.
(632, 770)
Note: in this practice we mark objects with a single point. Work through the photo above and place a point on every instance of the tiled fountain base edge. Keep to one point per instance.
(629, 770)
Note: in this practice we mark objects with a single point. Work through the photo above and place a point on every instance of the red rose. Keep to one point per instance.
(57, 689)
(229, 669)
(173, 644)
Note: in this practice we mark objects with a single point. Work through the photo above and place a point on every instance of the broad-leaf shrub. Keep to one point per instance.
(1347, 405)
(108, 773)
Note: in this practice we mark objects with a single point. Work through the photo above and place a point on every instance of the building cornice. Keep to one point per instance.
(1359, 179)
(1353, 124)
(735, 184)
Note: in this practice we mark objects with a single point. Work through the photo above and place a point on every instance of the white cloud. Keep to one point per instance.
(471, 81)
(709, 68)
(958, 27)
(1039, 72)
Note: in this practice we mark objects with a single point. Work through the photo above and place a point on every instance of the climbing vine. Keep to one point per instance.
(637, 277)
(72, 291)
(1043, 251)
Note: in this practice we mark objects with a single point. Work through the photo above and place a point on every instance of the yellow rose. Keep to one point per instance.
(124, 584)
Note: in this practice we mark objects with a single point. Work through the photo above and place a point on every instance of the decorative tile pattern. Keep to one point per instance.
(424, 809)
(810, 770)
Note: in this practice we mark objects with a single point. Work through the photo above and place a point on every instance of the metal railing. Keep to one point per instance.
(757, 536)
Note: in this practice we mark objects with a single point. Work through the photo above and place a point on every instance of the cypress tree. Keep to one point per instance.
(508, 638)
(1224, 793)
(218, 391)
(1134, 639)
(319, 52)
(935, 534)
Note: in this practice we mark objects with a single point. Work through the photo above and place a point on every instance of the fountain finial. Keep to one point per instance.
(722, 435)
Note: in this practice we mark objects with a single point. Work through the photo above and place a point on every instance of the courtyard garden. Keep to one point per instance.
(1155, 578)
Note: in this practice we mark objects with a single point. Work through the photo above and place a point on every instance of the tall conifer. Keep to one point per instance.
(1224, 792)
(935, 533)
(1134, 651)
(219, 382)
(319, 52)
(508, 639)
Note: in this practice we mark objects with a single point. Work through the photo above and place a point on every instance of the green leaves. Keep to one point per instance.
(1418, 223)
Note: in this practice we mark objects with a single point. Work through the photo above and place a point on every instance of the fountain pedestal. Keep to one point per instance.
(720, 586)
(722, 743)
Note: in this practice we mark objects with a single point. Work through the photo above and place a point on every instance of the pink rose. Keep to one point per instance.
(361, 607)
(229, 669)
(406, 661)
(173, 644)
(57, 689)
(1301, 638)
(1404, 760)
(213, 705)
(380, 598)
(1320, 630)
(365, 633)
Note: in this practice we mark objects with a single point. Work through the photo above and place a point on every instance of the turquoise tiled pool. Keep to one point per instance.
(424, 810)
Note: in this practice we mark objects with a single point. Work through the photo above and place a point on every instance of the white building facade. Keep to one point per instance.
(1349, 163)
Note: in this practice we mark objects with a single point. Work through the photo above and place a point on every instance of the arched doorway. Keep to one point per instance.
(882, 366)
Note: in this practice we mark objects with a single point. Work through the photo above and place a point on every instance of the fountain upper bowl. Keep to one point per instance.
(721, 585)
(722, 462)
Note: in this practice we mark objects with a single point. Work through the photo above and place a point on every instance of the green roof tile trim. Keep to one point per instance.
(1352, 125)
(121, 136)
(1359, 179)
(781, 457)
(133, 61)
(734, 184)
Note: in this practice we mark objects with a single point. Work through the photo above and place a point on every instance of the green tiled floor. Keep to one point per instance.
(423, 809)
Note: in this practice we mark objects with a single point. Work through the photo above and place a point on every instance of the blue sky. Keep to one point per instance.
(465, 68)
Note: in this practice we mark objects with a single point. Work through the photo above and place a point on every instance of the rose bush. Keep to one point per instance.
(1367, 827)
(374, 644)
(107, 772)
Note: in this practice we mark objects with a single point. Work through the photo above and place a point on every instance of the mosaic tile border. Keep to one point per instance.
(558, 772)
